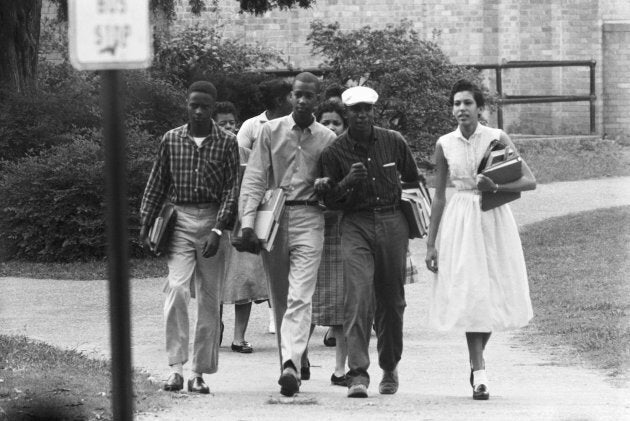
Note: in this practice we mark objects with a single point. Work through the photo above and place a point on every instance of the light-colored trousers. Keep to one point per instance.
(185, 260)
(291, 269)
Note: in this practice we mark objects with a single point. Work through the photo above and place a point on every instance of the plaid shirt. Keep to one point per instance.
(386, 156)
(185, 173)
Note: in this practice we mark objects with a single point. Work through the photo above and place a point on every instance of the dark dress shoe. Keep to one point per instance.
(244, 347)
(329, 341)
(197, 385)
(305, 371)
(289, 382)
(389, 383)
(174, 383)
(480, 393)
(339, 381)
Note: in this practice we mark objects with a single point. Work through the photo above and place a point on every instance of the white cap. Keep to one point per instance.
(358, 94)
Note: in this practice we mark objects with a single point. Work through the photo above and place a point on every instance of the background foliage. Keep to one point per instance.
(50, 143)
(51, 162)
(412, 76)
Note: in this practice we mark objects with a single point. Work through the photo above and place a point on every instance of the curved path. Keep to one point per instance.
(525, 384)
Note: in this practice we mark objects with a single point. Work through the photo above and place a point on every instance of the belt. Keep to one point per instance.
(384, 209)
(301, 203)
(205, 205)
(377, 209)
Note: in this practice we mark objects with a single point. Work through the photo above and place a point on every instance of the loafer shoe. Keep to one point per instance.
(305, 371)
(480, 393)
(357, 391)
(289, 382)
(197, 385)
(339, 381)
(389, 383)
(174, 383)
(244, 347)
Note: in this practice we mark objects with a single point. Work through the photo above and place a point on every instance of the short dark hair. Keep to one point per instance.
(224, 107)
(272, 89)
(308, 77)
(334, 90)
(203, 86)
(329, 106)
(466, 85)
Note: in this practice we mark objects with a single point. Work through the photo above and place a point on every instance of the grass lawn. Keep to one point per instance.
(153, 267)
(569, 160)
(41, 382)
(578, 269)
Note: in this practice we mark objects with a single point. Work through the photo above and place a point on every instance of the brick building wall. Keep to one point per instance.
(475, 32)
(616, 78)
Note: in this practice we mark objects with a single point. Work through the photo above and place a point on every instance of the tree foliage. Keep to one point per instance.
(167, 7)
(412, 76)
(199, 51)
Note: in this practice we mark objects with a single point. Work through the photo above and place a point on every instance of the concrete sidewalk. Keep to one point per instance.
(525, 384)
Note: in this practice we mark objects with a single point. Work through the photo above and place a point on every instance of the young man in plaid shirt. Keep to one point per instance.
(197, 170)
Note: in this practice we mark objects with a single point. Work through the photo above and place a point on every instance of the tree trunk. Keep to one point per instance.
(19, 43)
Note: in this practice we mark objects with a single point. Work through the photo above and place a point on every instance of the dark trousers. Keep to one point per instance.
(374, 248)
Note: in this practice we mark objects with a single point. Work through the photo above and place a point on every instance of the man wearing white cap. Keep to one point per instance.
(364, 166)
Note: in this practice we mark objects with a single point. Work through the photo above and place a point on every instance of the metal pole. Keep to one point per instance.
(115, 175)
(592, 101)
(500, 93)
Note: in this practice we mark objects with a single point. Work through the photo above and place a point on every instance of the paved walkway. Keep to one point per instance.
(525, 384)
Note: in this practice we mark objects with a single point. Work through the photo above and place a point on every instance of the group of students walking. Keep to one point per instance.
(340, 254)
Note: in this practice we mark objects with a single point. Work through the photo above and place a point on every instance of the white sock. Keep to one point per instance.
(178, 368)
(194, 374)
(480, 377)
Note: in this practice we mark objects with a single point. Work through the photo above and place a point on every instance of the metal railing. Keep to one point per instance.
(536, 99)
(503, 98)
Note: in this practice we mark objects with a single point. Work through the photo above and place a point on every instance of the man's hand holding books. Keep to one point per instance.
(250, 242)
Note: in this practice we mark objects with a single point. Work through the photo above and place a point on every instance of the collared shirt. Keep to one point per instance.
(250, 130)
(186, 173)
(464, 155)
(386, 156)
(285, 156)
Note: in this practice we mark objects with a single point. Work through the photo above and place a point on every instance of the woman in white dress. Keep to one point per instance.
(481, 280)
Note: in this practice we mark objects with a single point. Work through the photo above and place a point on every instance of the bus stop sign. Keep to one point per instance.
(109, 34)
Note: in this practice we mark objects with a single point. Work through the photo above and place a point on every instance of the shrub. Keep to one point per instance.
(413, 77)
(36, 121)
(153, 104)
(198, 52)
(53, 203)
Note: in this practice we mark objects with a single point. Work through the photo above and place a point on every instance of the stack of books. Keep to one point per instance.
(267, 219)
(162, 227)
(416, 205)
(501, 166)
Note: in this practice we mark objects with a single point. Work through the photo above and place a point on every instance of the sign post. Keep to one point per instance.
(110, 35)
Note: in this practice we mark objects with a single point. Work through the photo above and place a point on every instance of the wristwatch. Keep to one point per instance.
(217, 231)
